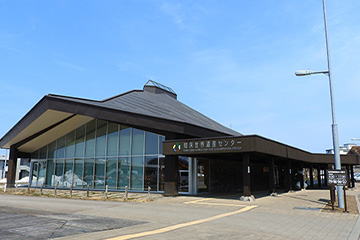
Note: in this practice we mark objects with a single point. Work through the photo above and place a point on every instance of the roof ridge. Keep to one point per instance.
(77, 98)
(120, 95)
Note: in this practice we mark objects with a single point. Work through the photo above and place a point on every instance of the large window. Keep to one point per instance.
(101, 153)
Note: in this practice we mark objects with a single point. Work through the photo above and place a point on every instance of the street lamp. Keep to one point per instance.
(301, 73)
(334, 125)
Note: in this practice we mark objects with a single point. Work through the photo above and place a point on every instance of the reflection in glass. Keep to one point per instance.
(51, 150)
(151, 143)
(112, 142)
(79, 144)
(59, 171)
(101, 138)
(70, 144)
(90, 139)
(129, 157)
(68, 176)
(111, 171)
(151, 173)
(50, 173)
(137, 173)
(34, 173)
(161, 140)
(43, 152)
(100, 173)
(89, 172)
(137, 142)
(78, 173)
(125, 133)
(35, 155)
(183, 174)
(124, 172)
(60, 147)
(42, 173)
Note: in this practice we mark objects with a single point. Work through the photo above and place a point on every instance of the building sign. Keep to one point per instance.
(207, 146)
(336, 177)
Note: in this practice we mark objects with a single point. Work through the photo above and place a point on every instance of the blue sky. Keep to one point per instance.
(233, 61)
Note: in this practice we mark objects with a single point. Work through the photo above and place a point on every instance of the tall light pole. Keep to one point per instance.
(334, 125)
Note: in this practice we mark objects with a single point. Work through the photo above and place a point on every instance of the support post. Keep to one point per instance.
(302, 185)
(271, 176)
(311, 176)
(11, 174)
(352, 176)
(126, 193)
(171, 176)
(289, 176)
(319, 176)
(246, 174)
(149, 189)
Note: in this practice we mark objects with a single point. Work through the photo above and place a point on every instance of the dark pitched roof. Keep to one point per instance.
(160, 106)
(155, 110)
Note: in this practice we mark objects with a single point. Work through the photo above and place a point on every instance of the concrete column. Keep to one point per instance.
(246, 174)
(272, 176)
(12, 166)
(311, 176)
(171, 178)
(352, 176)
(288, 176)
(329, 167)
(319, 176)
(302, 176)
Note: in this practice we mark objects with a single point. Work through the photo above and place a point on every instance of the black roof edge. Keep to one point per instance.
(92, 100)
(21, 124)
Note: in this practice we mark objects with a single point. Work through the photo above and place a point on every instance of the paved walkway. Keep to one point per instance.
(288, 216)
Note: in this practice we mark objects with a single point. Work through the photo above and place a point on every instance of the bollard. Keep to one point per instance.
(87, 191)
(345, 210)
(55, 186)
(126, 193)
(149, 189)
(71, 190)
(41, 188)
(28, 188)
(5, 187)
(106, 191)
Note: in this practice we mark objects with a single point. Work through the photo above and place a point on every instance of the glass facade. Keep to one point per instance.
(101, 153)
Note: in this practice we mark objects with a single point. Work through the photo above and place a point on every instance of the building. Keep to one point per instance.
(147, 138)
(3, 166)
(23, 168)
(343, 149)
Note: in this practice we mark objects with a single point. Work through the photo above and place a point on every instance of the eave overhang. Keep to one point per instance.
(59, 116)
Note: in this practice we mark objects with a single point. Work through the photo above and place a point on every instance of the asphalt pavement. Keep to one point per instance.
(295, 215)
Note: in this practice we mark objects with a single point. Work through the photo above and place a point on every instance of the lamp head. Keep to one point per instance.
(303, 73)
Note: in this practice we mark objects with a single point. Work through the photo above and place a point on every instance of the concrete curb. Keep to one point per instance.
(355, 233)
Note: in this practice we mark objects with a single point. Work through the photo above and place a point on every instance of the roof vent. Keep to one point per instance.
(157, 88)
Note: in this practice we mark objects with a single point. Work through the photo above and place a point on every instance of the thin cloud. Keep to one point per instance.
(69, 65)
(174, 12)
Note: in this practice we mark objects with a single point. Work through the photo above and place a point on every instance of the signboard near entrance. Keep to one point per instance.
(336, 177)
(204, 146)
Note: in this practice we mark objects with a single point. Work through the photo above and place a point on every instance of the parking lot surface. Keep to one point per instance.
(295, 215)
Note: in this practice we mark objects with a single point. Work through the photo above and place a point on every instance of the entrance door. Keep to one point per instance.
(203, 175)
